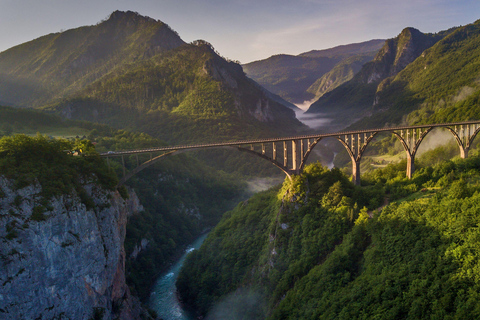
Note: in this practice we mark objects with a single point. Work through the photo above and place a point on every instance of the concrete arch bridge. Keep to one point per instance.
(290, 154)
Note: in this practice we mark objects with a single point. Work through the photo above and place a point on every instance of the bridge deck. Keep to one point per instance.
(257, 141)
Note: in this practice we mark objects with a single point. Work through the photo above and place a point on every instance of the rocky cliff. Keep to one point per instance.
(65, 262)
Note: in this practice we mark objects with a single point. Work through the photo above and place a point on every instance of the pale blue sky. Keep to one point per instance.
(246, 30)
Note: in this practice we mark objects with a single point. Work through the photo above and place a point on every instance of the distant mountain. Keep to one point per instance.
(135, 72)
(292, 77)
(356, 98)
(345, 51)
(341, 73)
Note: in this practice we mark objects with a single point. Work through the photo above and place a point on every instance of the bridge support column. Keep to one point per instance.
(356, 172)
(410, 166)
(463, 153)
(294, 156)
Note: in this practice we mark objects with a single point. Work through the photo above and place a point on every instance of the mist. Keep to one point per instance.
(243, 304)
(434, 139)
(261, 184)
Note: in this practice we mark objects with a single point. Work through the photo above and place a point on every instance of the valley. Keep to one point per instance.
(393, 236)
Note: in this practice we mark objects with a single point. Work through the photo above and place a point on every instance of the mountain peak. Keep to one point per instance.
(134, 16)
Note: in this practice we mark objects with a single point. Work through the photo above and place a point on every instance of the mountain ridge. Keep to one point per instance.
(359, 96)
(57, 64)
(291, 76)
(135, 72)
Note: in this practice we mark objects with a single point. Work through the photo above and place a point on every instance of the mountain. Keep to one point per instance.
(59, 64)
(188, 94)
(341, 73)
(441, 85)
(382, 84)
(131, 71)
(345, 51)
(292, 76)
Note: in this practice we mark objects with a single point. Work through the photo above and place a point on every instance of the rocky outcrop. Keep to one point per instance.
(64, 259)
(396, 54)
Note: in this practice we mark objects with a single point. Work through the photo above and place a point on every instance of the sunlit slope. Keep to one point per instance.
(186, 94)
(312, 251)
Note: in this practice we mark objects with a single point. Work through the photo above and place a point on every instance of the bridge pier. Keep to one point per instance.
(356, 172)
(410, 165)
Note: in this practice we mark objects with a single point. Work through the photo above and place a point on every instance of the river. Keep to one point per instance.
(163, 298)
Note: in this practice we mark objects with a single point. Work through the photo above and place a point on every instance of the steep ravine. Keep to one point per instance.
(67, 262)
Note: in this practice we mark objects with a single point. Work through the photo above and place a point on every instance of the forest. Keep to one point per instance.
(320, 248)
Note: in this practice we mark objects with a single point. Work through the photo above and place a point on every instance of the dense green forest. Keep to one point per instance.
(50, 163)
(320, 248)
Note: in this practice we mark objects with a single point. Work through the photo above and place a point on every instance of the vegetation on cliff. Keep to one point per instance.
(50, 162)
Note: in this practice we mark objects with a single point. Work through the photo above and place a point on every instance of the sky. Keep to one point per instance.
(246, 30)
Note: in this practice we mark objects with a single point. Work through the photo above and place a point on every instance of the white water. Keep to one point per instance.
(163, 298)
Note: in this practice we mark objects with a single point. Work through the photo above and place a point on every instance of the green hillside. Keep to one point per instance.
(440, 85)
(341, 73)
(311, 250)
(296, 78)
(290, 76)
(59, 64)
(189, 94)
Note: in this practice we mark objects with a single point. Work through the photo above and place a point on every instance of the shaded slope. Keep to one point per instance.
(59, 64)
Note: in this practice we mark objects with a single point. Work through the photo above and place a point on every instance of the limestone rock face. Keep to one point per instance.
(66, 262)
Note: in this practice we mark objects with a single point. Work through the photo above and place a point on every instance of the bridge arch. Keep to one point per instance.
(296, 150)
(411, 140)
(464, 137)
(273, 161)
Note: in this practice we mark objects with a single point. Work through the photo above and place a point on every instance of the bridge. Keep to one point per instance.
(290, 154)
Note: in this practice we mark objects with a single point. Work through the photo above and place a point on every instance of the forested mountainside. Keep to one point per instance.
(415, 78)
(320, 248)
(308, 75)
(186, 95)
(59, 64)
(134, 72)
